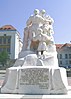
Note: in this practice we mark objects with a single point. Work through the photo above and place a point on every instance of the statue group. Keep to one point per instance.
(36, 71)
(39, 28)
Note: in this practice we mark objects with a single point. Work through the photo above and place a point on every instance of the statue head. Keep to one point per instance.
(42, 12)
(36, 11)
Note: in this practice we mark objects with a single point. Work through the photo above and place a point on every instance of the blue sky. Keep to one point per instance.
(16, 13)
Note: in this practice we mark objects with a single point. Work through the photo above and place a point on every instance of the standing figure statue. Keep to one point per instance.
(39, 28)
(33, 23)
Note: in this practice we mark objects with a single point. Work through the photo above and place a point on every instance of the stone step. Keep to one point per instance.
(20, 96)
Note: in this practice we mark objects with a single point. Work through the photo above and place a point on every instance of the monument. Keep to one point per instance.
(36, 71)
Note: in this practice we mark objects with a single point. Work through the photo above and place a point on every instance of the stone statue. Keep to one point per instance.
(33, 23)
(36, 22)
(36, 71)
(42, 38)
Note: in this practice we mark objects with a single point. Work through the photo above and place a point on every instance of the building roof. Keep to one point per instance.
(63, 45)
(7, 27)
(67, 45)
(59, 45)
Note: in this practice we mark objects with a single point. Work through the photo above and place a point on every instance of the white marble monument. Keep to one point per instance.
(36, 71)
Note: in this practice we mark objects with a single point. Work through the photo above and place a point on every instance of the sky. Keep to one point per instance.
(17, 12)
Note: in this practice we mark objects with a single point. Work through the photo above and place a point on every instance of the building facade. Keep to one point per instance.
(10, 41)
(64, 55)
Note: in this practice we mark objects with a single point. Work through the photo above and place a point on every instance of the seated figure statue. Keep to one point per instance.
(42, 38)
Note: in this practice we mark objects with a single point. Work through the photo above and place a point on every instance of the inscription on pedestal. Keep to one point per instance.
(34, 76)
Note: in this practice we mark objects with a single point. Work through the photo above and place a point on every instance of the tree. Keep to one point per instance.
(3, 57)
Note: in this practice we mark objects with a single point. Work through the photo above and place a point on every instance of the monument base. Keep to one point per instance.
(35, 80)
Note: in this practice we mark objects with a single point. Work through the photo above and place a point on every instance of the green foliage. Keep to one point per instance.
(3, 58)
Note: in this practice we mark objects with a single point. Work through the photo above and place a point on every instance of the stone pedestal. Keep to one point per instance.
(35, 80)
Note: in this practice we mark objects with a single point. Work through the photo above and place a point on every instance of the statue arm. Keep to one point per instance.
(29, 21)
(41, 19)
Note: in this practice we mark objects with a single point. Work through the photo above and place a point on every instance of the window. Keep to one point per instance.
(60, 62)
(0, 49)
(66, 62)
(60, 56)
(4, 34)
(70, 62)
(8, 50)
(4, 40)
(66, 56)
(0, 40)
(9, 39)
(69, 56)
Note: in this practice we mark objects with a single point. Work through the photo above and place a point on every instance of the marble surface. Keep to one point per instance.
(57, 80)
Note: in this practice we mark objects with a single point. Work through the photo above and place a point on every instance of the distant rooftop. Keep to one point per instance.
(7, 27)
(62, 45)
(59, 45)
